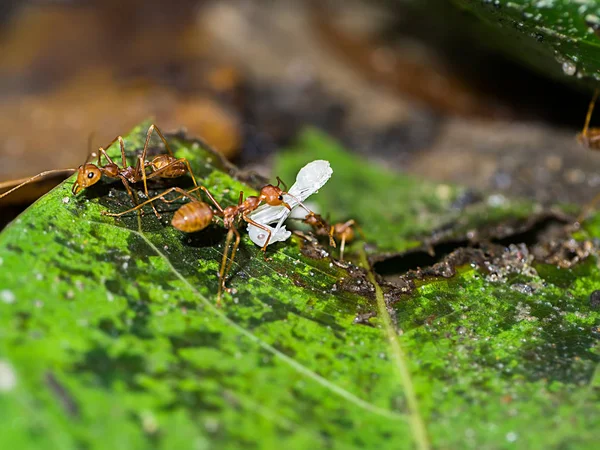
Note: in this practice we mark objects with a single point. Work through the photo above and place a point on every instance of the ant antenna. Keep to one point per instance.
(22, 182)
(33, 178)
(588, 117)
(91, 153)
(297, 199)
(285, 188)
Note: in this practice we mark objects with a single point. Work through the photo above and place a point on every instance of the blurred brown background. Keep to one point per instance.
(382, 77)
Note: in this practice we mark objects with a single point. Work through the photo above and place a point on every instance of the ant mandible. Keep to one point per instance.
(88, 174)
(197, 215)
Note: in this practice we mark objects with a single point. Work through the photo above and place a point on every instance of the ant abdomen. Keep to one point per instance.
(192, 217)
(344, 231)
(591, 139)
(172, 168)
(111, 170)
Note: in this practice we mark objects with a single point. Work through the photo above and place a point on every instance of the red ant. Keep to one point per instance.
(197, 215)
(88, 174)
(590, 137)
(341, 231)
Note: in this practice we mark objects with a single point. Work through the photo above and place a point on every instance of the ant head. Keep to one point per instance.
(87, 175)
(273, 196)
(251, 203)
(230, 211)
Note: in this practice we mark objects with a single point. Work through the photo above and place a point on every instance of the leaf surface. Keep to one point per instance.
(110, 338)
(558, 37)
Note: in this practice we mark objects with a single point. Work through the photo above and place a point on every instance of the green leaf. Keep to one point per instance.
(110, 338)
(558, 37)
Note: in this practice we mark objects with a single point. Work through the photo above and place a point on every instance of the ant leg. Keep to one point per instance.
(360, 231)
(241, 198)
(236, 244)
(128, 188)
(192, 198)
(223, 265)
(90, 153)
(189, 168)
(300, 204)
(122, 145)
(342, 231)
(342, 246)
(331, 239)
(140, 163)
(262, 227)
(161, 136)
(352, 223)
(101, 153)
(102, 150)
(588, 117)
(148, 135)
(151, 129)
(212, 199)
(586, 209)
(280, 181)
(150, 200)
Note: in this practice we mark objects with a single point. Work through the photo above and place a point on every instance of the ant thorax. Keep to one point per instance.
(229, 215)
(251, 203)
(111, 170)
(130, 173)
